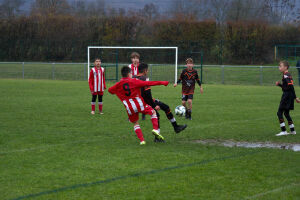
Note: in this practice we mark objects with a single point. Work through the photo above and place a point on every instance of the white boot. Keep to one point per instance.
(282, 133)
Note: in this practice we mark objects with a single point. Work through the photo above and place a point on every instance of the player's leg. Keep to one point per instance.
(281, 122)
(170, 116)
(93, 103)
(150, 111)
(134, 118)
(100, 103)
(184, 100)
(190, 103)
(290, 121)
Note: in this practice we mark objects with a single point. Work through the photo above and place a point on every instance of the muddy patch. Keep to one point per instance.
(231, 143)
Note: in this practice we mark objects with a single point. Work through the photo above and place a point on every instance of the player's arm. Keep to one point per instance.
(141, 84)
(91, 81)
(278, 84)
(113, 89)
(199, 82)
(179, 80)
(104, 80)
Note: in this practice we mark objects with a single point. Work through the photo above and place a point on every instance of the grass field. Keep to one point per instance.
(52, 148)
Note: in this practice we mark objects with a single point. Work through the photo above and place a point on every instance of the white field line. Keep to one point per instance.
(272, 191)
(47, 146)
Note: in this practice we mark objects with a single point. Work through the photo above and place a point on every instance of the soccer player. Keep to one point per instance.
(128, 91)
(155, 103)
(287, 99)
(188, 77)
(97, 85)
(135, 59)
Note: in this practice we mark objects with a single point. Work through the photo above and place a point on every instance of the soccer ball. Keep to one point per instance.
(180, 110)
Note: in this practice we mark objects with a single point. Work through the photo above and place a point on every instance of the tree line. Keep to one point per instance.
(56, 30)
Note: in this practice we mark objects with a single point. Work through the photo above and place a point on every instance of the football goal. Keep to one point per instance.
(162, 61)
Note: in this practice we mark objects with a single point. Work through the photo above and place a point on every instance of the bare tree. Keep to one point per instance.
(50, 6)
(10, 8)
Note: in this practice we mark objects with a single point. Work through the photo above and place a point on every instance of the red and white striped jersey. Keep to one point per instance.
(129, 92)
(134, 70)
(97, 80)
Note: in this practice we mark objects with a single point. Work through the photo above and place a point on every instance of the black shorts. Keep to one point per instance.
(287, 101)
(162, 105)
(186, 97)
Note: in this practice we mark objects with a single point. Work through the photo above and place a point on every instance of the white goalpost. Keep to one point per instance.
(128, 47)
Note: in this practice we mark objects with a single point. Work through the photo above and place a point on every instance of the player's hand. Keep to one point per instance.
(175, 85)
(277, 83)
(157, 108)
(201, 90)
(297, 100)
(92, 92)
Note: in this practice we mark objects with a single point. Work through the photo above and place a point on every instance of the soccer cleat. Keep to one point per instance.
(142, 143)
(157, 140)
(156, 134)
(101, 113)
(180, 128)
(282, 133)
(293, 132)
(93, 112)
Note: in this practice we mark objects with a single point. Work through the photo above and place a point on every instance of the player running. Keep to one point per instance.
(128, 91)
(97, 85)
(188, 77)
(155, 103)
(287, 99)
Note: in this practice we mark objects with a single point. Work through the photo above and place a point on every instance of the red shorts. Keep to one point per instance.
(135, 116)
(97, 93)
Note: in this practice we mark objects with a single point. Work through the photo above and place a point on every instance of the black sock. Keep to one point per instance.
(291, 125)
(282, 125)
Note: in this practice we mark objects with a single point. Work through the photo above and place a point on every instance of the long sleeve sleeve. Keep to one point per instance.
(91, 80)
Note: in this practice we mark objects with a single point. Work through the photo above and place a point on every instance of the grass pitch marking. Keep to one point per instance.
(272, 191)
(155, 171)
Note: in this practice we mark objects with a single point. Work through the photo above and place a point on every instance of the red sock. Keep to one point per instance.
(93, 106)
(154, 122)
(100, 106)
(138, 132)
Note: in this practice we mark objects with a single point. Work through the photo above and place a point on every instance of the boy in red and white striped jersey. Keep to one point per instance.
(97, 85)
(128, 91)
(135, 59)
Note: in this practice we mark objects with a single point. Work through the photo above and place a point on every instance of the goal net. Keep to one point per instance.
(162, 61)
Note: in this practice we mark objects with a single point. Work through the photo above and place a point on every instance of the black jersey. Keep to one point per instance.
(189, 78)
(289, 95)
(146, 91)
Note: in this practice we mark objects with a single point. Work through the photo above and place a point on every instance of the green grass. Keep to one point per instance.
(49, 141)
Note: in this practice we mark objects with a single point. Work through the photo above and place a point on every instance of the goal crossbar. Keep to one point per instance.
(122, 47)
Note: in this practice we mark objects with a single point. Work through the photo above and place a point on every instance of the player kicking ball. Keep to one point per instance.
(155, 103)
(128, 91)
(97, 85)
(188, 77)
(287, 99)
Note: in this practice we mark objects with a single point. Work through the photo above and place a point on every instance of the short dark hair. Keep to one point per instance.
(97, 59)
(285, 63)
(125, 71)
(143, 67)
